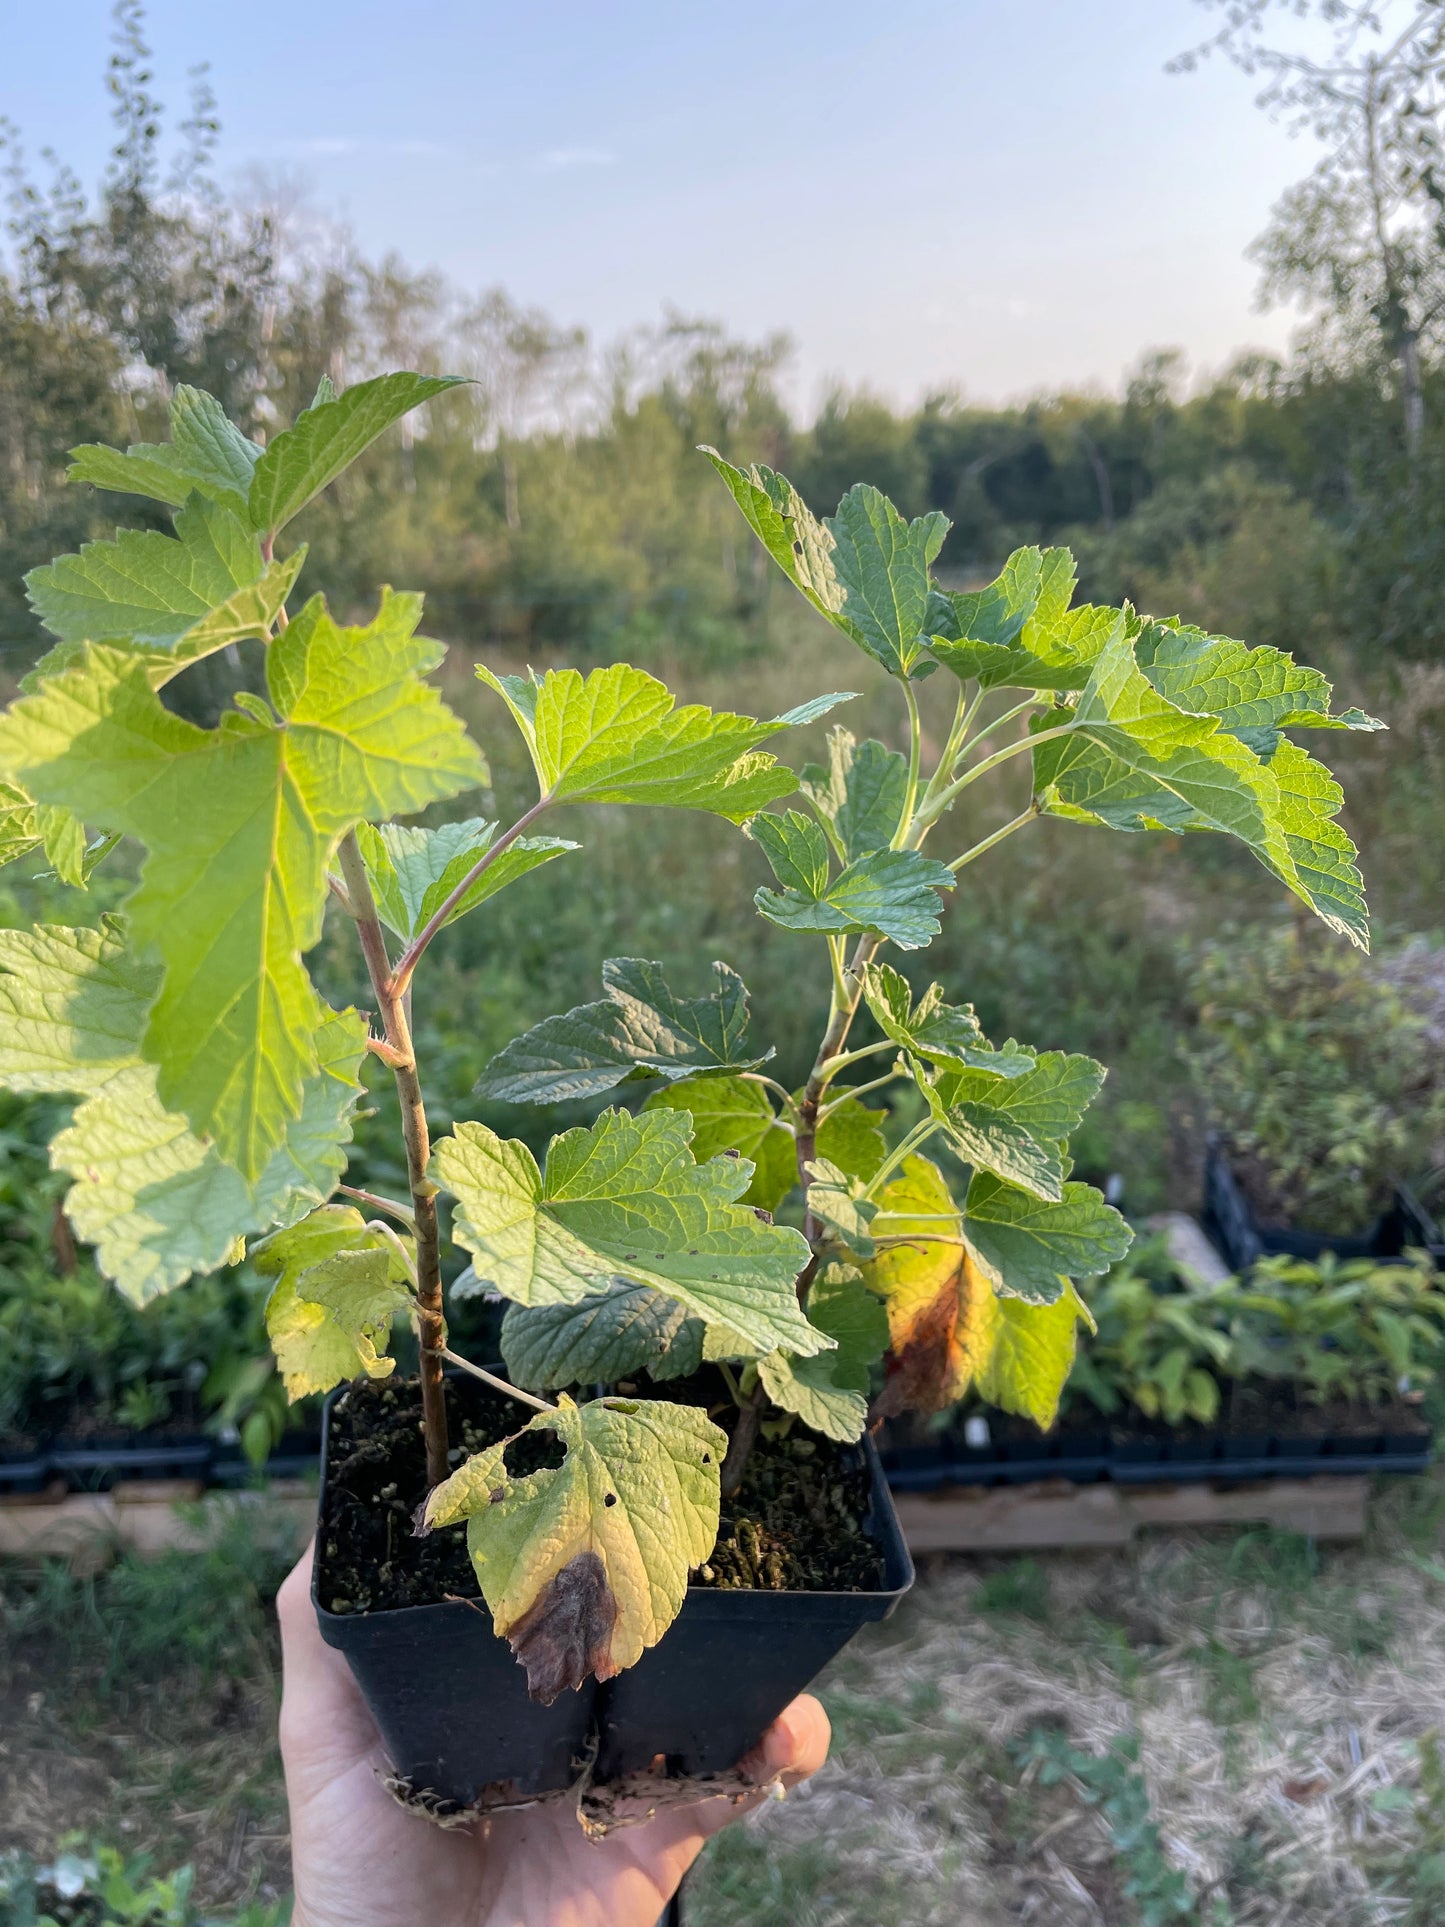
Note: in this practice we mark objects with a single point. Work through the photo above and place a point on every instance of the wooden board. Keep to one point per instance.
(144, 1516)
(1055, 1513)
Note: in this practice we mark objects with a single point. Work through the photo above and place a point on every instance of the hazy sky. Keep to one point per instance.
(1001, 196)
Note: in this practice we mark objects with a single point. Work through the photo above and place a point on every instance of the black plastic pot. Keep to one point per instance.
(1243, 1241)
(448, 1698)
(732, 1660)
(451, 1702)
(107, 1459)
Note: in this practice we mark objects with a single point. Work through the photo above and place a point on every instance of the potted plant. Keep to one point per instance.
(668, 1505)
(1323, 1093)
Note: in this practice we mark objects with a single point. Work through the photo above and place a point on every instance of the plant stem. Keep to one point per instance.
(431, 1321)
(997, 723)
(1015, 823)
(845, 1058)
(497, 1384)
(858, 1090)
(917, 1137)
(379, 1203)
(915, 749)
(846, 994)
(744, 1437)
(771, 1084)
(945, 796)
(407, 962)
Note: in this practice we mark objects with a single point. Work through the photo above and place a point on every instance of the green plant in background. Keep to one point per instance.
(1161, 1344)
(1364, 1330)
(216, 1087)
(90, 1885)
(1112, 1782)
(1322, 1078)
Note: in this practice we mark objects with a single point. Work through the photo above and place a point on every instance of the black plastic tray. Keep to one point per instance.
(103, 1462)
(1242, 1241)
(24, 1473)
(1085, 1460)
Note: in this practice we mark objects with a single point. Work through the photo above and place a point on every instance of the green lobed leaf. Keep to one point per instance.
(616, 736)
(19, 832)
(735, 1114)
(414, 870)
(596, 1341)
(640, 1029)
(889, 893)
(156, 1202)
(623, 1199)
(144, 585)
(851, 1137)
(865, 569)
(836, 1200)
(206, 452)
(797, 852)
(1133, 761)
(942, 1033)
(240, 823)
(1016, 1126)
(1028, 1246)
(1322, 855)
(861, 794)
(1019, 632)
(327, 438)
(585, 1566)
(338, 1287)
(1255, 693)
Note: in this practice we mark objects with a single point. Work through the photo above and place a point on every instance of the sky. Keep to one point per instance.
(987, 195)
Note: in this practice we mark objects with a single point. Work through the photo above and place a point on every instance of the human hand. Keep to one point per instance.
(359, 1860)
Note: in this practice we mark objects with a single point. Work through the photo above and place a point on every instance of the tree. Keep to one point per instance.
(1361, 240)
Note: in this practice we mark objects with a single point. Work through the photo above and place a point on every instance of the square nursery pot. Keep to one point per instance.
(733, 1659)
(1243, 1241)
(452, 1707)
(448, 1698)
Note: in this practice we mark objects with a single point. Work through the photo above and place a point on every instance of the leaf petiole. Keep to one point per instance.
(411, 956)
(378, 1203)
(1015, 823)
(497, 1384)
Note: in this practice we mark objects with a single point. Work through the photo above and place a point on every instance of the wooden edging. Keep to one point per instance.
(1055, 1513)
(157, 1516)
(146, 1516)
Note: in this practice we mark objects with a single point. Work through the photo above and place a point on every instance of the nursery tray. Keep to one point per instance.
(98, 1464)
(24, 1473)
(1088, 1459)
(1243, 1241)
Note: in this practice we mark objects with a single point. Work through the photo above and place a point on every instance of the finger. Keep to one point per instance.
(794, 1746)
(324, 1721)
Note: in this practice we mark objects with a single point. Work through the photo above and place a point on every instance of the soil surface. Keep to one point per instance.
(795, 1524)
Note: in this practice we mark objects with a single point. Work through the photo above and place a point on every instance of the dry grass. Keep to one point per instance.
(1280, 1699)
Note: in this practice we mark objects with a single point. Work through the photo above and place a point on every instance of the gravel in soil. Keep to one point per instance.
(795, 1524)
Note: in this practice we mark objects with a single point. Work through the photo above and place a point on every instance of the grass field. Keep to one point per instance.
(1232, 1729)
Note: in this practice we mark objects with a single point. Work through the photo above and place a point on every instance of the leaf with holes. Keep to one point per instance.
(585, 1565)
(640, 1029)
(623, 1199)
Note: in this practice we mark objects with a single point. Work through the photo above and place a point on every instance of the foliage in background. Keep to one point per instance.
(1319, 1071)
(1174, 1347)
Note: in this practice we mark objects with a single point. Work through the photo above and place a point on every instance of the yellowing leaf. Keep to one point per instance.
(585, 1566)
(338, 1287)
(240, 823)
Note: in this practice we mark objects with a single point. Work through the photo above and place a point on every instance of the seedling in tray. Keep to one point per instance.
(215, 1088)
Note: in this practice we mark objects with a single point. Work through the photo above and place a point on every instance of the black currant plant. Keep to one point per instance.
(215, 1088)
